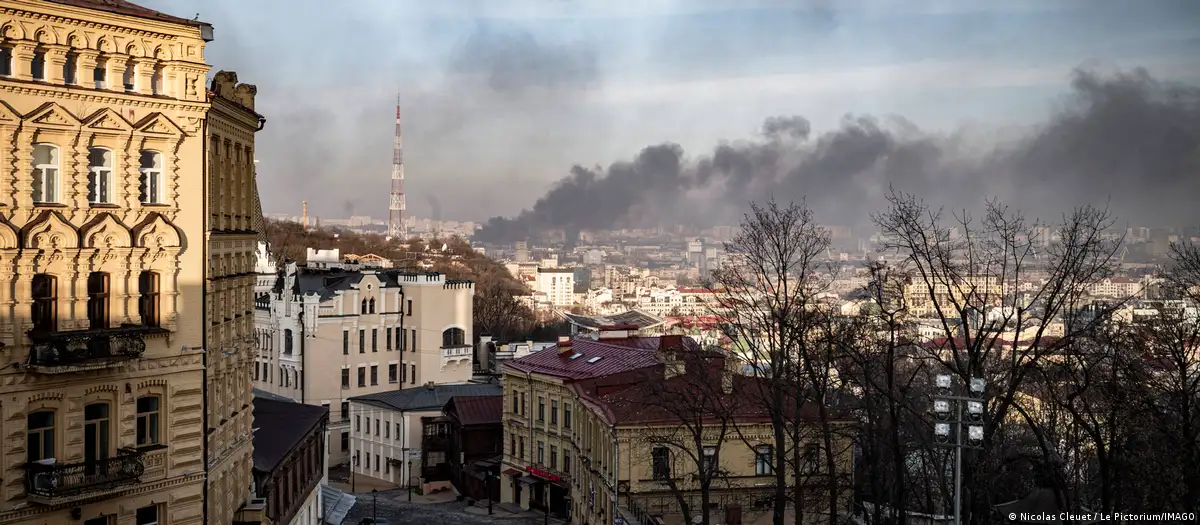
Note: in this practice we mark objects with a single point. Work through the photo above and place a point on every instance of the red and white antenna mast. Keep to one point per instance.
(396, 229)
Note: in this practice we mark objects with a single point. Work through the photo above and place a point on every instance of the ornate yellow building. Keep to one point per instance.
(124, 314)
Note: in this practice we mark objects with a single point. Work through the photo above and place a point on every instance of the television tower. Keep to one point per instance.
(396, 229)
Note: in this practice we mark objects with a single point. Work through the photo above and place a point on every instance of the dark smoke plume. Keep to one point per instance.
(1124, 140)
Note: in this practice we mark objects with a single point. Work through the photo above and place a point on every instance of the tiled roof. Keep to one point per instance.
(476, 410)
(599, 358)
(279, 427)
(427, 397)
(122, 7)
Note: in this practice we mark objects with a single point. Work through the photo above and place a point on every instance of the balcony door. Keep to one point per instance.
(96, 431)
(97, 305)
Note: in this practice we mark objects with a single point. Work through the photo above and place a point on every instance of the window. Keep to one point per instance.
(69, 68)
(403, 373)
(660, 458)
(358, 424)
(409, 308)
(523, 403)
(387, 431)
(454, 337)
(400, 339)
(708, 461)
(553, 457)
(100, 167)
(6, 57)
(156, 81)
(147, 420)
(812, 459)
(566, 416)
(414, 340)
(362, 376)
(521, 447)
(345, 378)
(39, 428)
(376, 427)
(151, 181)
(148, 289)
(374, 375)
(45, 173)
(412, 378)
(512, 447)
(397, 430)
(387, 339)
(553, 411)
(345, 342)
(566, 462)
(516, 405)
(393, 375)
(363, 308)
(374, 339)
(371, 306)
(100, 74)
(362, 341)
(147, 515)
(287, 341)
(96, 432)
(45, 303)
(38, 65)
(130, 79)
(541, 457)
(541, 408)
(345, 441)
(762, 460)
(346, 406)
(376, 462)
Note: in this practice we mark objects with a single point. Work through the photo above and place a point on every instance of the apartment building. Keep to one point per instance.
(289, 460)
(583, 435)
(558, 284)
(117, 360)
(333, 330)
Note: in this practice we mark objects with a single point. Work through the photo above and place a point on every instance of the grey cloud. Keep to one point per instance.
(1126, 138)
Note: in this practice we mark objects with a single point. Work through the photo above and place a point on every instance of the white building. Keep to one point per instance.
(388, 435)
(558, 284)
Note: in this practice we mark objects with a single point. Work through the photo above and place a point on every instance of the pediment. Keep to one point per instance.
(9, 238)
(157, 232)
(52, 114)
(7, 115)
(105, 231)
(158, 124)
(107, 120)
(50, 231)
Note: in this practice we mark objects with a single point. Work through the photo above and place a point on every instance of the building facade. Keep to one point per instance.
(476, 435)
(359, 330)
(103, 313)
(400, 438)
(289, 460)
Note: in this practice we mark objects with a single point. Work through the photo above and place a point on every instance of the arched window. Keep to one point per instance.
(100, 167)
(148, 304)
(287, 341)
(97, 305)
(148, 410)
(364, 306)
(45, 303)
(150, 183)
(45, 173)
(371, 306)
(454, 337)
(39, 431)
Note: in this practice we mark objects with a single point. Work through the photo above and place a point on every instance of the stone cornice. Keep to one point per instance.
(91, 22)
(105, 98)
(134, 490)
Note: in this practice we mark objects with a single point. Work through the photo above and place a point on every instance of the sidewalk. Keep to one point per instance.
(508, 511)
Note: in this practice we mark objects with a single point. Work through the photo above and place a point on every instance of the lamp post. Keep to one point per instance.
(374, 516)
(948, 414)
(488, 480)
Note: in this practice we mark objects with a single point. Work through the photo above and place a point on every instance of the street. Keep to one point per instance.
(392, 506)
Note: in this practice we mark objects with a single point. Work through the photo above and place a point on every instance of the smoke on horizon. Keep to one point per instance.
(1124, 140)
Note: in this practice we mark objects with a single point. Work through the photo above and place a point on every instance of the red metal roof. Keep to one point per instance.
(615, 356)
(123, 7)
(476, 410)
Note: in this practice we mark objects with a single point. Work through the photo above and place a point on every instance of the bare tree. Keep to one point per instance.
(498, 312)
(973, 279)
(767, 294)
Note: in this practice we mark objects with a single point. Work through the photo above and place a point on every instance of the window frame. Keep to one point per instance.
(100, 176)
(764, 460)
(151, 179)
(45, 434)
(47, 178)
(660, 463)
(44, 309)
(152, 421)
(150, 298)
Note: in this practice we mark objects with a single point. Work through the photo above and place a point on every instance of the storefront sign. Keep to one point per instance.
(543, 474)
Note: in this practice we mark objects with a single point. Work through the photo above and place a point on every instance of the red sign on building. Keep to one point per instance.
(543, 474)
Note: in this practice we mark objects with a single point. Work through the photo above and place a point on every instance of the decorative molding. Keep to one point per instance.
(53, 115)
(105, 231)
(160, 125)
(107, 120)
(50, 231)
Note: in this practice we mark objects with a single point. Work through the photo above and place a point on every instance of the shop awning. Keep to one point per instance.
(512, 472)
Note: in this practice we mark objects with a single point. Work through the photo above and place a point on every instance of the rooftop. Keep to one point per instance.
(588, 358)
(279, 426)
(476, 410)
(636, 318)
(429, 397)
(122, 7)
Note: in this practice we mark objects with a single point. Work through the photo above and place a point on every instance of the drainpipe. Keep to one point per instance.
(616, 473)
(204, 311)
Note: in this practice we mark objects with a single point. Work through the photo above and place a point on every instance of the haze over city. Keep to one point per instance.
(501, 100)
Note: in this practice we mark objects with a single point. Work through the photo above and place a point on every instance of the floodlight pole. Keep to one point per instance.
(957, 425)
(958, 449)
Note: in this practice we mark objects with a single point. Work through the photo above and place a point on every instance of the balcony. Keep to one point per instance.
(59, 483)
(458, 354)
(60, 352)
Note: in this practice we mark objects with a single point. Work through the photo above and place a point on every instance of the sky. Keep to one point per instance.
(501, 98)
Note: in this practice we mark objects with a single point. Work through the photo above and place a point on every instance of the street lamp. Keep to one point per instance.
(947, 404)
(374, 516)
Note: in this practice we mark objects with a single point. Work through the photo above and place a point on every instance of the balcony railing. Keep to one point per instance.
(457, 352)
(55, 483)
(53, 352)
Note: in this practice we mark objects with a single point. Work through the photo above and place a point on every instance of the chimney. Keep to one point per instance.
(564, 344)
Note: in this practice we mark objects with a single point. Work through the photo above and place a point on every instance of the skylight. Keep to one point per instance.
(574, 357)
(594, 359)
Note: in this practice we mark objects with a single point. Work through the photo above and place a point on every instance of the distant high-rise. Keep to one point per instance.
(396, 229)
